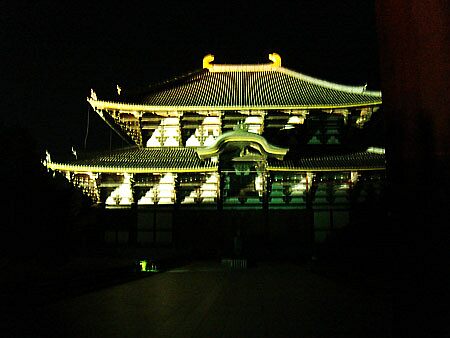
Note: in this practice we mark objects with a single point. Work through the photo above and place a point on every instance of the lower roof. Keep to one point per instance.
(140, 160)
(183, 159)
(354, 161)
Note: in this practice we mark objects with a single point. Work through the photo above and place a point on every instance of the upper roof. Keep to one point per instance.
(234, 87)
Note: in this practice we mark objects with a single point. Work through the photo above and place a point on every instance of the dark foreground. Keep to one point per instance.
(203, 299)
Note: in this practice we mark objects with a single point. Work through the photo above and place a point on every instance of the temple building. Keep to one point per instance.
(258, 147)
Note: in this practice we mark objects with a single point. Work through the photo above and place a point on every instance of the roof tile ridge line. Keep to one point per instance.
(218, 68)
(328, 84)
(161, 84)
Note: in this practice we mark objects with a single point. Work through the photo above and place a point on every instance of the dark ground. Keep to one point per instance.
(201, 299)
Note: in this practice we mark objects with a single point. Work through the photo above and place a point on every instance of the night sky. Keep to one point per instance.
(55, 53)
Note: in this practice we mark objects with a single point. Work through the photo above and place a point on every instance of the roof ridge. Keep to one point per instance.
(223, 68)
(158, 86)
(328, 84)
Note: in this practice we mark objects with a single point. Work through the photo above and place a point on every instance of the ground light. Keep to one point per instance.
(146, 265)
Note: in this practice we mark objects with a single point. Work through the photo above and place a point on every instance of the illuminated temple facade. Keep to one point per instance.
(232, 142)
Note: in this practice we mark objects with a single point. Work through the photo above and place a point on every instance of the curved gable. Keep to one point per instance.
(242, 138)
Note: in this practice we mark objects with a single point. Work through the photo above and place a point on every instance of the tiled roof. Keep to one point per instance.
(179, 159)
(250, 87)
(140, 160)
(354, 161)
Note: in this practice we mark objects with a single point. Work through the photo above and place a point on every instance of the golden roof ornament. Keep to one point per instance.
(276, 59)
(207, 61)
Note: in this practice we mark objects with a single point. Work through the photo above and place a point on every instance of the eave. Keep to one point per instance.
(110, 105)
(129, 170)
(311, 169)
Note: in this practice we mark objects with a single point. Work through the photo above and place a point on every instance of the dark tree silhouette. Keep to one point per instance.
(38, 206)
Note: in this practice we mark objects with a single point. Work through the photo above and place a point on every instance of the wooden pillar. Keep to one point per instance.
(134, 212)
(310, 190)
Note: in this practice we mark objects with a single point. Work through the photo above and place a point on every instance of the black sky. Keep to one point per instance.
(55, 53)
